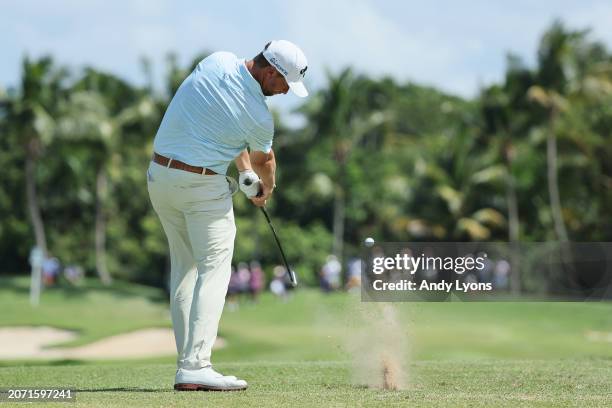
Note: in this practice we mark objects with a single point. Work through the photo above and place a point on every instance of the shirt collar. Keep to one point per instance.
(251, 82)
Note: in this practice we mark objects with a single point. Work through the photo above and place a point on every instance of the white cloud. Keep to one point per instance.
(452, 45)
(453, 48)
(341, 33)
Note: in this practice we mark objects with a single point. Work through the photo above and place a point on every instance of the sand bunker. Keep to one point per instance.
(593, 335)
(31, 342)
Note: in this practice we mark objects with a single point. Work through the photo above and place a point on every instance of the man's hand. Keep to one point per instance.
(265, 193)
(264, 166)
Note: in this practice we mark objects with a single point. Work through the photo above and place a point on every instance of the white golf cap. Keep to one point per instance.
(291, 62)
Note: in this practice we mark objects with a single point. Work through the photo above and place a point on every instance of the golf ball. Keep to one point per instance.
(369, 241)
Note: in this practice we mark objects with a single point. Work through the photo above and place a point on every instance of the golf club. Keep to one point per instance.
(290, 271)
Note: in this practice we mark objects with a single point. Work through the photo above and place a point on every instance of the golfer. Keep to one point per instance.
(218, 115)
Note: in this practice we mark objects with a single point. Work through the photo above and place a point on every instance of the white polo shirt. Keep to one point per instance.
(216, 113)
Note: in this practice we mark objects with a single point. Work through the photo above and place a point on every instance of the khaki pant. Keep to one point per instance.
(197, 216)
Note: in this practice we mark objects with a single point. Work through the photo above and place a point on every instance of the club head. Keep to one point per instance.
(293, 278)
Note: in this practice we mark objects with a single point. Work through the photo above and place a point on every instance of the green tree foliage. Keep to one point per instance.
(528, 159)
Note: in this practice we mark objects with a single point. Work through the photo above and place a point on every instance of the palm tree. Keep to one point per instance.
(341, 118)
(449, 197)
(31, 116)
(97, 110)
(506, 122)
(569, 73)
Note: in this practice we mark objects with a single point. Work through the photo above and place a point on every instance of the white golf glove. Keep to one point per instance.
(249, 183)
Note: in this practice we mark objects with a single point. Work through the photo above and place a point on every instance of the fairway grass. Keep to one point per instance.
(295, 353)
(509, 383)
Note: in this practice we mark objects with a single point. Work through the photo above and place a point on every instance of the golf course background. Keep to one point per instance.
(295, 353)
(523, 159)
(527, 159)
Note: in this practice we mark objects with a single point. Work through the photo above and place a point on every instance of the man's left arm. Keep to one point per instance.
(243, 162)
(257, 190)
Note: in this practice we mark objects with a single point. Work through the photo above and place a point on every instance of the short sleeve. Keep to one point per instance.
(260, 138)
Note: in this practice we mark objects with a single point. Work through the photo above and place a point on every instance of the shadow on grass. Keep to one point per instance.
(15, 284)
(124, 389)
(85, 362)
(21, 285)
(45, 363)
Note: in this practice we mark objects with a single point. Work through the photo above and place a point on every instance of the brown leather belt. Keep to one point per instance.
(177, 164)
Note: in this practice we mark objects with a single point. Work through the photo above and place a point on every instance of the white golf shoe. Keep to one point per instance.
(206, 379)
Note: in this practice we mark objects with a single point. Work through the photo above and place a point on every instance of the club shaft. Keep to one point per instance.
(280, 248)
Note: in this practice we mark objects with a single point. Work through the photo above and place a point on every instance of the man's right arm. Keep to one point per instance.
(264, 164)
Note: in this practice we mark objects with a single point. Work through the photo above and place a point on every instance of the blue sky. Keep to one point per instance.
(456, 46)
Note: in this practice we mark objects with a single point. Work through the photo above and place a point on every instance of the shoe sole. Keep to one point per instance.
(202, 387)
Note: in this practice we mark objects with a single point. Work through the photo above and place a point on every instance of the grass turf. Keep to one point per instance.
(470, 354)
(510, 383)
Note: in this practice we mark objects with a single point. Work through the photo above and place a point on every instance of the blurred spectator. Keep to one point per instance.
(470, 277)
(323, 283)
(233, 290)
(500, 274)
(244, 277)
(486, 273)
(429, 271)
(73, 274)
(330, 274)
(50, 271)
(277, 285)
(353, 276)
(256, 283)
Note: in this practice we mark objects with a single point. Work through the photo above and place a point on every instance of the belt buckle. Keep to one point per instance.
(169, 163)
